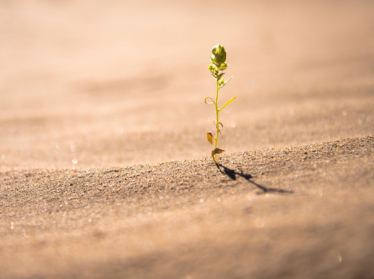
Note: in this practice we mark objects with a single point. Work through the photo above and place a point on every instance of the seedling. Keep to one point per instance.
(218, 65)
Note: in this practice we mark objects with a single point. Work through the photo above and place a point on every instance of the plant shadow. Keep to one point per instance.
(233, 175)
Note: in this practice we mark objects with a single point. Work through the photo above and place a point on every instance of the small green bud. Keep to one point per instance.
(213, 68)
(221, 82)
(218, 50)
(218, 54)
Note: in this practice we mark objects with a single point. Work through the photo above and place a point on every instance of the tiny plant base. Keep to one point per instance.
(217, 66)
(215, 152)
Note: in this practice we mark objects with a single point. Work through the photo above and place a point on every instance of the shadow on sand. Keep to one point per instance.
(233, 174)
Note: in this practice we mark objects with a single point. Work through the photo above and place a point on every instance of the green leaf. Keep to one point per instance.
(223, 66)
(227, 103)
(220, 75)
(213, 60)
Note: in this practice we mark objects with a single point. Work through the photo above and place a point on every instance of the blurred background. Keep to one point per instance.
(110, 83)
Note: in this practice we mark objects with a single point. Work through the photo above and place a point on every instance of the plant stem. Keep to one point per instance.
(217, 124)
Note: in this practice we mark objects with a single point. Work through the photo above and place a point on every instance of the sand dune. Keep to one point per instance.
(104, 163)
(295, 212)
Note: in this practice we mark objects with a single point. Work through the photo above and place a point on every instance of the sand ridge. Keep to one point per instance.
(164, 219)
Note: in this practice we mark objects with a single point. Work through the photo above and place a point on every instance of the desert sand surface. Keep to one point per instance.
(105, 169)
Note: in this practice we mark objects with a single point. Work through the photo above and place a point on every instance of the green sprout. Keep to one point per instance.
(217, 67)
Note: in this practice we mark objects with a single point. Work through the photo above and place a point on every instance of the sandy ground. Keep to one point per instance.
(104, 167)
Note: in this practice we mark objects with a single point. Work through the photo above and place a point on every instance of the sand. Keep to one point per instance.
(104, 163)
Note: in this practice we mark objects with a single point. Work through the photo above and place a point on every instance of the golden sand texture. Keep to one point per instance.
(104, 163)
(302, 211)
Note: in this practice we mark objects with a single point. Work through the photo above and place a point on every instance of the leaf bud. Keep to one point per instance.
(211, 67)
(223, 67)
(218, 54)
(221, 82)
